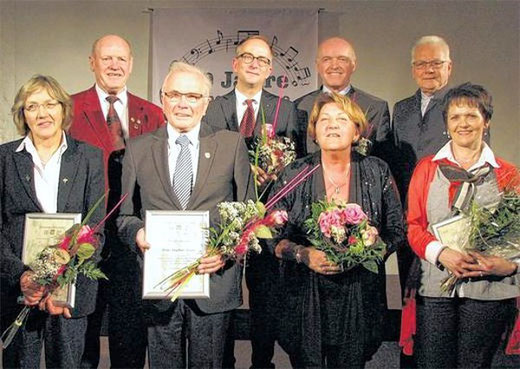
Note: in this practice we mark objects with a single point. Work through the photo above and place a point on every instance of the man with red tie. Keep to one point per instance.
(106, 116)
(241, 110)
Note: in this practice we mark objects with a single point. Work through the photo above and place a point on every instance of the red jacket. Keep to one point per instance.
(89, 123)
(418, 235)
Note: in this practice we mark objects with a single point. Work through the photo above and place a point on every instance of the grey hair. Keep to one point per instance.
(180, 67)
(431, 39)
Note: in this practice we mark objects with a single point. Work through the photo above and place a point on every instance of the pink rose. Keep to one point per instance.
(276, 218)
(327, 219)
(269, 130)
(353, 214)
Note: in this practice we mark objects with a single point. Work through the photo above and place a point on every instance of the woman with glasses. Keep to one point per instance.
(46, 171)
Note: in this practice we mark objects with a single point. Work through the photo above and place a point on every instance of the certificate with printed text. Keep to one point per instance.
(43, 230)
(177, 238)
(453, 232)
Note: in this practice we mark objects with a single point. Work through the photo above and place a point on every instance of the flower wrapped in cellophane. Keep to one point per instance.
(344, 233)
(493, 231)
(241, 226)
(58, 265)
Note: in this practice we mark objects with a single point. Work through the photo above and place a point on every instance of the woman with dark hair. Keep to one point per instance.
(330, 317)
(462, 327)
(45, 172)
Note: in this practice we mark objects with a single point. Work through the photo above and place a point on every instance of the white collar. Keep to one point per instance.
(28, 145)
(122, 95)
(241, 98)
(192, 135)
(486, 156)
(345, 91)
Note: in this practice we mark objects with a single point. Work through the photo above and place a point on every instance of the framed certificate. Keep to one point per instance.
(177, 238)
(453, 232)
(43, 230)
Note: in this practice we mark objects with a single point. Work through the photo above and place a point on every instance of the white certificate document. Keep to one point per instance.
(177, 239)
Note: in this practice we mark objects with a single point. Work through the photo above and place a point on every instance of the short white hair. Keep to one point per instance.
(181, 67)
(431, 40)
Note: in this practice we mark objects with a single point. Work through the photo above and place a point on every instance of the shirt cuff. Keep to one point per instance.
(433, 249)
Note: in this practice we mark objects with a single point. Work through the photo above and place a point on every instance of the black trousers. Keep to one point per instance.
(184, 323)
(64, 340)
(460, 332)
(263, 282)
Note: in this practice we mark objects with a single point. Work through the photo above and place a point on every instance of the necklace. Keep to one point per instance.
(337, 187)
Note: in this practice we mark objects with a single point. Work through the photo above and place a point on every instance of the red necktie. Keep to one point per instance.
(247, 126)
(114, 124)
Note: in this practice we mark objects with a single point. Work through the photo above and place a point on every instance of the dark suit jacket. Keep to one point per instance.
(222, 114)
(82, 165)
(375, 109)
(90, 125)
(223, 175)
(417, 136)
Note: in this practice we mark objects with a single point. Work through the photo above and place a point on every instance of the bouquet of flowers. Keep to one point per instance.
(343, 232)
(493, 231)
(269, 152)
(242, 225)
(58, 265)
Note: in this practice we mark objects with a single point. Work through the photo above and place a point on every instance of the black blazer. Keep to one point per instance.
(81, 184)
(222, 114)
(375, 109)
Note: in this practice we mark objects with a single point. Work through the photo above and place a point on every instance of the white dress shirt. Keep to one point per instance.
(120, 105)
(46, 176)
(242, 105)
(425, 101)
(343, 92)
(175, 149)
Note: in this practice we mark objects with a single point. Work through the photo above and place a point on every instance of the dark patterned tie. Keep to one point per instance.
(247, 126)
(183, 176)
(114, 124)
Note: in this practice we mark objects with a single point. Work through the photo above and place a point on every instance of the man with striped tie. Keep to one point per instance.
(186, 166)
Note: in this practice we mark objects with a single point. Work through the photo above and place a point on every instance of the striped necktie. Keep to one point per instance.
(114, 124)
(183, 176)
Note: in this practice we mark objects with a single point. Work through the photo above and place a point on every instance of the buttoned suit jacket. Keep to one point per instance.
(222, 114)
(375, 109)
(223, 174)
(81, 184)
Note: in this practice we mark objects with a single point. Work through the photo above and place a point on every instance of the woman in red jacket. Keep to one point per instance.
(463, 327)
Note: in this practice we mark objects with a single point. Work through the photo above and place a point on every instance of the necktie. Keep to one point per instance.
(247, 125)
(114, 124)
(183, 175)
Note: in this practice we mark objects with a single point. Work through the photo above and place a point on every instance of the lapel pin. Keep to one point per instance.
(132, 119)
(65, 180)
(27, 178)
(138, 121)
(207, 155)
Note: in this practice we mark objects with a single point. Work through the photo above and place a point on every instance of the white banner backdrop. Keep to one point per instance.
(208, 38)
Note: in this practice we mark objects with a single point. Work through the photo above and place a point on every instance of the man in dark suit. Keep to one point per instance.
(336, 62)
(186, 166)
(106, 115)
(252, 65)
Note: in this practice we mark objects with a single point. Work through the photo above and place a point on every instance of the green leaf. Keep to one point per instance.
(85, 251)
(261, 209)
(263, 232)
(371, 266)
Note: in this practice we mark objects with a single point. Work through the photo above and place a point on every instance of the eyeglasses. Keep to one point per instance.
(249, 58)
(49, 106)
(176, 96)
(435, 64)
